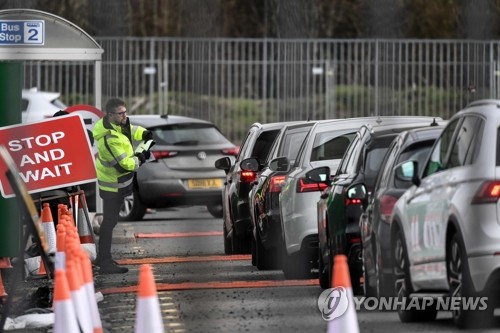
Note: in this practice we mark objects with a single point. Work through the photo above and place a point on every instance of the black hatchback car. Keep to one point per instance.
(339, 233)
(374, 223)
(264, 197)
(237, 225)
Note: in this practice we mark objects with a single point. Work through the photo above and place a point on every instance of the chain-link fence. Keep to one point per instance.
(235, 82)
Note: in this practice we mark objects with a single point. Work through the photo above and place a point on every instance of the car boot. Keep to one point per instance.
(110, 267)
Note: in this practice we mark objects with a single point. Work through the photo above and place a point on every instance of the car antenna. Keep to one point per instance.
(434, 123)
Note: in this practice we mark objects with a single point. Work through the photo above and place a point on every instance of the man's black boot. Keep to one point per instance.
(110, 267)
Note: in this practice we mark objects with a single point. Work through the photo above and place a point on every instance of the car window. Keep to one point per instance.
(263, 144)
(291, 143)
(462, 151)
(441, 148)
(374, 156)
(245, 146)
(330, 145)
(415, 152)
(387, 164)
(188, 134)
(348, 161)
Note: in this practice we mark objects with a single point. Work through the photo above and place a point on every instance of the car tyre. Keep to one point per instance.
(215, 210)
(253, 251)
(403, 284)
(296, 266)
(266, 258)
(228, 249)
(132, 209)
(240, 244)
(324, 272)
(461, 286)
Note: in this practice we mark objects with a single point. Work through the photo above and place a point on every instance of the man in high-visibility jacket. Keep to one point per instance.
(116, 164)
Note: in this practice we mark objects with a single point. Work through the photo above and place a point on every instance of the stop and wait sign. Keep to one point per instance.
(49, 154)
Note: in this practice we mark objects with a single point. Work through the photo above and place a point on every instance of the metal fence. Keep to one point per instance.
(235, 82)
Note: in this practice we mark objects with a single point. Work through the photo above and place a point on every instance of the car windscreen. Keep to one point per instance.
(187, 134)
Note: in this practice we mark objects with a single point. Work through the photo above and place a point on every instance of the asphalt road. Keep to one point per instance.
(202, 290)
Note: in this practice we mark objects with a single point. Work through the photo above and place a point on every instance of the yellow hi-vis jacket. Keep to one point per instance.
(115, 161)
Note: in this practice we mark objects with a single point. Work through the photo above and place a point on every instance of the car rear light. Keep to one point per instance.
(489, 192)
(356, 240)
(159, 154)
(305, 185)
(387, 203)
(276, 182)
(349, 202)
(231, 151)
(247, 176)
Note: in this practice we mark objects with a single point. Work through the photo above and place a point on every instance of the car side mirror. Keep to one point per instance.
(279, 164)
(359, 192)
(250, 164)
(223, 163)
(407, 172)
(319, 175)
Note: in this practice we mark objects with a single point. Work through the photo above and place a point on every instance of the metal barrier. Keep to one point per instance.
(235, 82)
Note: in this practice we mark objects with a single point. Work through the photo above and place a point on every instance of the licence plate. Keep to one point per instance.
(204, 183)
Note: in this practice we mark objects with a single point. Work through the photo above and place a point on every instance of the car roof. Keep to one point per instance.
(373, 122)
(422, 133)
(161, 120)
(399, 125)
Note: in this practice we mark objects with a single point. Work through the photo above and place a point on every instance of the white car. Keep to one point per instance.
(39, 105)
(445, 230)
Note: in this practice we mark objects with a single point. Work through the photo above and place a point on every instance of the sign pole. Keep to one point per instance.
(11, 74)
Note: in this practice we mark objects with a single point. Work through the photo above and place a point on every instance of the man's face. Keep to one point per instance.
(119, 116)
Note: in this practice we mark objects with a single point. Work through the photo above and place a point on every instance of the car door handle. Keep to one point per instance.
(230, 181)
(255, 183)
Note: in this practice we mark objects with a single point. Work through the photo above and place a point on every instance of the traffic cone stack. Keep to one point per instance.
(65, 320)
(347, 322)
(148, 313)
(78, 295)
(85, 230)
(88, 284)
(50, 235)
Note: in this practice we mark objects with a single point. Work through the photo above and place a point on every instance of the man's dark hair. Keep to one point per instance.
(113, 103)
(60, 113)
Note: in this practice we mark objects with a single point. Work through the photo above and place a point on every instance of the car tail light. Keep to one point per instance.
(247, 176)
(356, 240)
(387, 203)
(305, 185)
(349, 202)
(231, 151)
(276, 181)
(159, 154)
(488, 193)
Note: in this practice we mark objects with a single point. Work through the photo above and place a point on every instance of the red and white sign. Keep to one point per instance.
(49, 154)
(90, 115)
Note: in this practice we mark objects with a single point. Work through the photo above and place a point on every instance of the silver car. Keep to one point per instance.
(445, 230)
(182, 172)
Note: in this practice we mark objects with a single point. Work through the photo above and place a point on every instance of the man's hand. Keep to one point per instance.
(147, 135)
(141, 158)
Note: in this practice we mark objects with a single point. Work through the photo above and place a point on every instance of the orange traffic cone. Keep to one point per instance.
(65, 318)
(50, 235)
(88, 284)
(341, 282)
(79, 296)
(3, 294)
(85, 230)
(61, 246)
(5, 263)
(148, 313)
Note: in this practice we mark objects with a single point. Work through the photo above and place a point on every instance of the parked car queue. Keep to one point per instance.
(412, 201)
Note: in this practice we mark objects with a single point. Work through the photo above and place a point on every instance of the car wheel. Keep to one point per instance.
(403, 284)
(240, 244)
(384, 284)
(296, 266)
(215, 210)
(228, 249)
(461, 286)
(132, 209)
(253, 250)
(266, 258)
(324, 272)
(368, 288)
